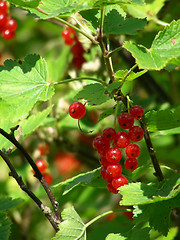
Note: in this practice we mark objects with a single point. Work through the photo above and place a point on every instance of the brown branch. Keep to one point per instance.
(46, 210)
(38, 175)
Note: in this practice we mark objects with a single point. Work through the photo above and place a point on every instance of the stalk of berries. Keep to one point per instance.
(71, 39)
(7, 24)
(110, 156)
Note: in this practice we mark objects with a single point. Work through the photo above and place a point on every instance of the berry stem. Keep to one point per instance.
(81, 79)
(38, 175)
(46, 210)
(113, 51)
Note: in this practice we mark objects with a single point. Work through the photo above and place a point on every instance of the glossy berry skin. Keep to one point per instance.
(42, 165)
(78, 61)
(114, 170)
(69, 36)
(122, 139)
(119, 182)
(8, 35)
(136, 133)
(131, 164)
(77, 50)
(113, 155)
(136, 111)
(104, 174)
(101, 144)
(48, 178)
(133, 150)
(77, 110)
(126, 120)
(3, 20)
(103, 160)
(11, 25)
(111, 188)
(3, 7)
(109, 133)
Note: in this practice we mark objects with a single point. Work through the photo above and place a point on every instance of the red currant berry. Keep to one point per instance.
(101, 144)
(109, 133)
(8, 35)
(122, 139)
(78, 61)
(69, 36)
(119, 182)
(114, 170)
(48, 178)
(131, 164)
(126, 120)
(77, 110)
(3, 20)
(113, 155)
(111, 188)
(11, 24)
(136, 111)
(104, 174)
(103, 160)
(136, 133)
(133, 150)
(44, 149)
(42, 165)
(77, 50)
(3, 7)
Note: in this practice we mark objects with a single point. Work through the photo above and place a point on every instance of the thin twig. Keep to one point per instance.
(37, 174)
(46, 210)
(81, 79)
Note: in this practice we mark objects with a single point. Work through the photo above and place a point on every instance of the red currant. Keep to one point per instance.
(3, 19)
(69, 36)
(8, 35)
(119, 182)
(104, 174)
(126, 120)
(11, 24)
(78, 61)
(122, 139)
(131, 164)
(113, 155)
(44, 149)
(77, 110)
(48, 178)
(136, 133)
(114, 170)
(111, 188)
(136, 111)
(133, 150)
(101, 144)
(109, 133)
(42, 165)
(103, 160)
(3, 7)
(77, 50)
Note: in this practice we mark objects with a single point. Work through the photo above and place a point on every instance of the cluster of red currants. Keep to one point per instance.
(71, 39)
(42, 164)
(7, 24)
(111, 155)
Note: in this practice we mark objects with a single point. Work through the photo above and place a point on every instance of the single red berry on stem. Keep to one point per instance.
(8, 35)
(3, 7)
(77, 50)
(42, 165)
(114, 170)
(48, 178)
(131, 164)
(136, 111)
(136, 133)
(119, 182)
(11, 24)
(122, 139)
(111, 188)
(77, 110)
(104, 174)
(69, 36)
(126, 120)
(113, 155)
(133, 150)
(101, 144)
(109, 133)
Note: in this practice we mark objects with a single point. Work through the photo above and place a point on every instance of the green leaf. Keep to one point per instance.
(171, 235)
(165, 47)
(172, 64)
(22, 85)
(4, 226)
(72, 227)
(113, 236)
(91, 178)
(114, 23)
(25, 3)
(163, 119)
(94, 94)
(122, 73)
(6, 202)
(107, 113)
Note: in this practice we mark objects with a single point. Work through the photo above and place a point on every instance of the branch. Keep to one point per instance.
(46, 210)
(37, 174)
